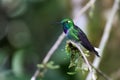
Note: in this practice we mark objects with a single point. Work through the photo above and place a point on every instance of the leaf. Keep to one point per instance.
(51, 65)
(71, 73)
(40, 65)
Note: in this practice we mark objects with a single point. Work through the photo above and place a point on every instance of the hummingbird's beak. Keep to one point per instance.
(58, 22)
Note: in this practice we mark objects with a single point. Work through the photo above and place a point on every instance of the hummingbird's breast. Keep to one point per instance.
(72, 34)
(65, 28)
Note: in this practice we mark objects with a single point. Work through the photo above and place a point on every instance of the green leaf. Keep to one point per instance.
(51, 65)
(71, 73)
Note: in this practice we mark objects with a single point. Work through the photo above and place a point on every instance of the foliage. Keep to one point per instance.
(44, 67)
(76, 60)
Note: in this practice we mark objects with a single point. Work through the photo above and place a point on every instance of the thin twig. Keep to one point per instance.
(49, 54)
(59, 40)
(106, 77)
(54, 47)
(84, 57)
(105, 36)
(84, 9)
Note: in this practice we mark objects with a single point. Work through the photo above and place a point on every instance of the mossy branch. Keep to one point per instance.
(92, 73)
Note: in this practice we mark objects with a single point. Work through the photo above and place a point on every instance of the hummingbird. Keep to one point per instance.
(75, 34)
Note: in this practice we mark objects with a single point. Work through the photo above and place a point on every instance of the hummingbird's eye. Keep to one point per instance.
(68, 21)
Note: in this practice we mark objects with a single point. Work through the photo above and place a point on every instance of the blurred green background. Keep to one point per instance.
(28, 30)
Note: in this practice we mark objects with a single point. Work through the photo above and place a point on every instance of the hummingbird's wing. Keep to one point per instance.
(84, 41)
(83, 38)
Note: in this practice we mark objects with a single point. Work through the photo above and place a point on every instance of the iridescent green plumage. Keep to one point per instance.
(76, 34)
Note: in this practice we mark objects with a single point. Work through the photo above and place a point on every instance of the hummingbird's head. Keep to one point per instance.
(67, 24)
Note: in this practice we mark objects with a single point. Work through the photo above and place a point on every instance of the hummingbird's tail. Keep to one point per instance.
(96, 53)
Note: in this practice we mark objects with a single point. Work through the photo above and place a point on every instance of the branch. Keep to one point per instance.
(105, 36)
(60, 39)
(106, 77)
(84, 9)
(54, 47)
(49, 54)
(86, 61)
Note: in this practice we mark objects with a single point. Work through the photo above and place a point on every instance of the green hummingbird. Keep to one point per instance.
(74, 33)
